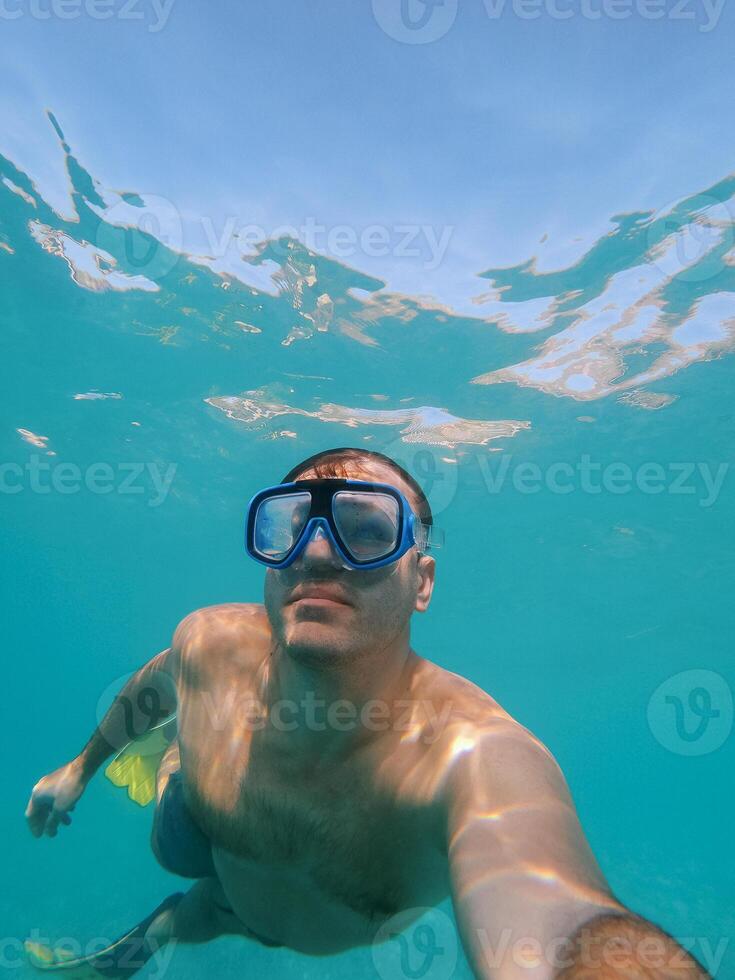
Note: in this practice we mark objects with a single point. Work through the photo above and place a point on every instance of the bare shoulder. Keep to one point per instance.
(482, 745)
(466, 705)
(225, 628)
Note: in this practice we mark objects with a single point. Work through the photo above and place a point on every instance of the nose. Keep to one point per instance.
(319, 549)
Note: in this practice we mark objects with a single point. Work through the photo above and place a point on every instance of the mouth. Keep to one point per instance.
(317, 601)
(318, 596)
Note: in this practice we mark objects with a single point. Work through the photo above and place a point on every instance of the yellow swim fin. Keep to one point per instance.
(136, 765)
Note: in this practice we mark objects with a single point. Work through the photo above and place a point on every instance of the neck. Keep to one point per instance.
(327, 710)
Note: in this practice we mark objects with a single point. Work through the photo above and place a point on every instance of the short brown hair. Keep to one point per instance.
(335, 463)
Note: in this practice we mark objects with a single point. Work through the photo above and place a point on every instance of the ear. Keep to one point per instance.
(425, 568)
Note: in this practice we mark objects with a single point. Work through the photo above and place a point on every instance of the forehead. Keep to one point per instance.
(373, 471)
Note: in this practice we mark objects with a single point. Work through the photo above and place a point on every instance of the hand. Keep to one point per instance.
(53, 797)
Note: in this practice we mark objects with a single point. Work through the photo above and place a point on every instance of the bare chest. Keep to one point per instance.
(358, 839)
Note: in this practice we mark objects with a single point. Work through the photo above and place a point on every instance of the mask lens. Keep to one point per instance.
(367, 522)
(278, 523)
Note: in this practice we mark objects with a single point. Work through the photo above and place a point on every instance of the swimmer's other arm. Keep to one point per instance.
(147, 699)
(530, 900)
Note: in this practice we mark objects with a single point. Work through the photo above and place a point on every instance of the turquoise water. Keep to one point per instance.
(574, 436)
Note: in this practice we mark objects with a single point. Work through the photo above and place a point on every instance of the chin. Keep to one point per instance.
(313, 643)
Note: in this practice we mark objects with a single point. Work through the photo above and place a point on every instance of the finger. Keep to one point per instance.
(65, 819)
(37, 817)
(53, 823)
(36, 800)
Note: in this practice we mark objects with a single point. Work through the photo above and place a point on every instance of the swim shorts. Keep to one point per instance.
(182, 847)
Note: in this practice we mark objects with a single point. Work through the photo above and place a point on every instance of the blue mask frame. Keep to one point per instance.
(411, 531)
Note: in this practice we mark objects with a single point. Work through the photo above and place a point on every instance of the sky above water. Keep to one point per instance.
(503, 129)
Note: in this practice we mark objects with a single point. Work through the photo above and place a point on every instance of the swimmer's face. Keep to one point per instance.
(376, 603)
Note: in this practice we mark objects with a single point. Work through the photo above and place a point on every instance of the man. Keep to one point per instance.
(326, 779)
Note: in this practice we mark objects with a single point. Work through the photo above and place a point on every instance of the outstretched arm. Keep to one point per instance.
(147, 698)
(530, 900)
